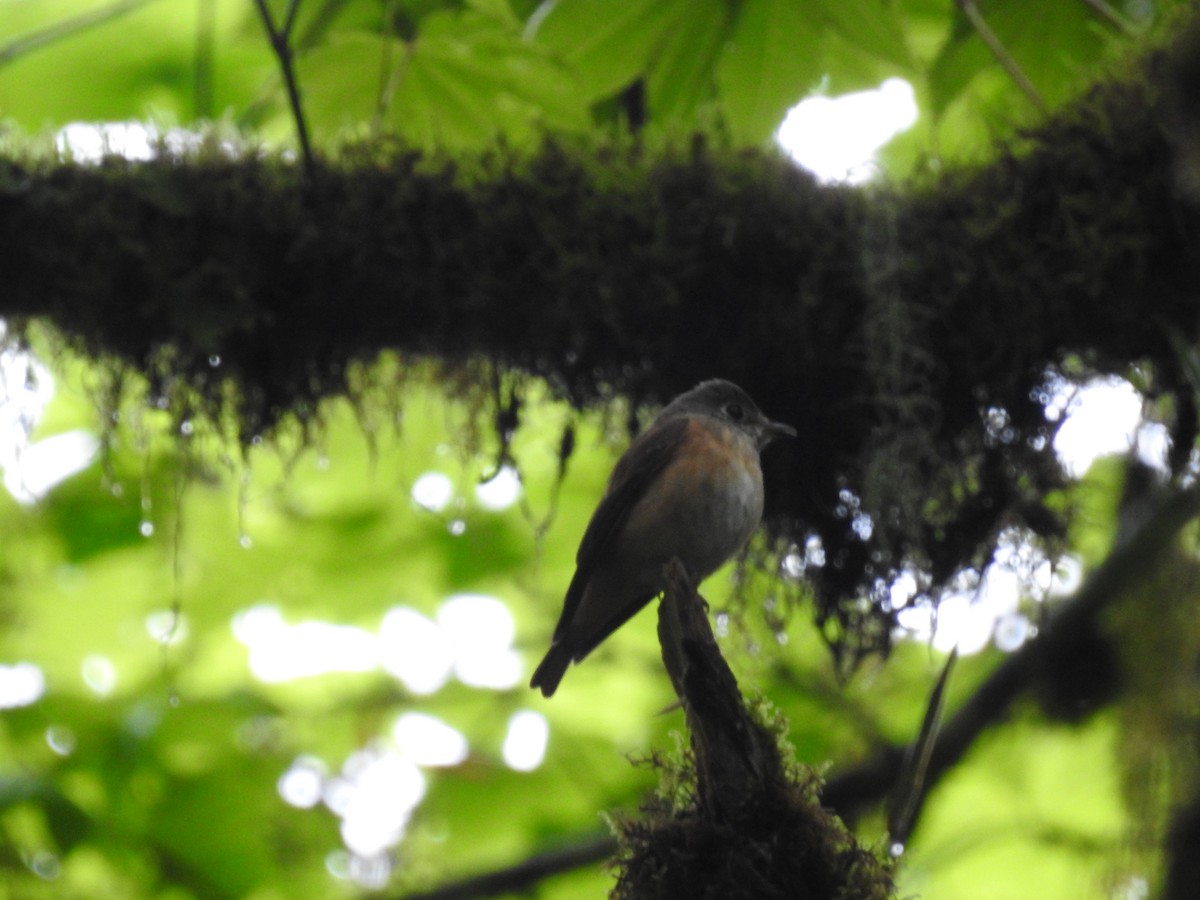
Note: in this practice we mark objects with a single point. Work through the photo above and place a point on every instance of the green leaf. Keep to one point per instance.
(67, 823)
(500, 10)
(342, 80)
(1054, 45)
(133, 66)
(490, 80)
(609, 45)
(681, 75)
(769, 64)
(871, 26)
(464, 81)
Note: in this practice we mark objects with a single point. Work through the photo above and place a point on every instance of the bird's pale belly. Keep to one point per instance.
(711, 519)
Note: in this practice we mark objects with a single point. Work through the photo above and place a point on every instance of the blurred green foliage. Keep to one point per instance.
(158, 774)
(151, 766)
(464, 73)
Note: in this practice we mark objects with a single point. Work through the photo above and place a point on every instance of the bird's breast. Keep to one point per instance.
(703, 508)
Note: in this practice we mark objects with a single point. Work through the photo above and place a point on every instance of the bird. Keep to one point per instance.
(689, 487)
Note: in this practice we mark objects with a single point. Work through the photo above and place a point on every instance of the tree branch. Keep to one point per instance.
(280, 39)
(578, 264)
(743, 820)
(851, 793)
(521, 876)
(289, 20)
(854, 791)
(734, 758)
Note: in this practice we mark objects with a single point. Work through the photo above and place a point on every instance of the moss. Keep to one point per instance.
(908, 331)
(780, 843)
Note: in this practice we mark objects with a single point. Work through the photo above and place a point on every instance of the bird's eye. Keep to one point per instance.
(735, 411)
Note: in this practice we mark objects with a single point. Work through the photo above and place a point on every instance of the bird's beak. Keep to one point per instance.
(772, 430)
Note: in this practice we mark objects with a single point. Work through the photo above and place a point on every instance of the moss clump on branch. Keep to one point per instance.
(784, 846)
(738, 817)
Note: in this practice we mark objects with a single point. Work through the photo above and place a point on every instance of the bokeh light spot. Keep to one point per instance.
(525, 743)
(501, 491)
(428, 741)
(433, 491)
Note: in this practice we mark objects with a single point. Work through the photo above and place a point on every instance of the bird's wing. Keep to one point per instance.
(642, 463)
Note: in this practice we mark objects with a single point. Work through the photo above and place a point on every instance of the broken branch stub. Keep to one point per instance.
(734, 757)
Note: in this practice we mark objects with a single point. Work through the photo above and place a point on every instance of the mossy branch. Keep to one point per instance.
(753, 826)
(909, 331)
(733, 754)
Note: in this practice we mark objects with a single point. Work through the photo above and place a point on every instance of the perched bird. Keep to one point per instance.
(690, 487)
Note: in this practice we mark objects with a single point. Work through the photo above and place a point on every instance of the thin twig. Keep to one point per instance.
(523, 875)
(206, 30)
(280, 43)
(289, 20)
(910, 783)
(1112, 17)
(67, 28)
(975, 17)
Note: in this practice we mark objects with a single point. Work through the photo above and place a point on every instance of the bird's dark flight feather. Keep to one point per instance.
(634, 473)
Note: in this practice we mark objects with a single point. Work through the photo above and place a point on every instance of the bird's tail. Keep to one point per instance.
(550, 672)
